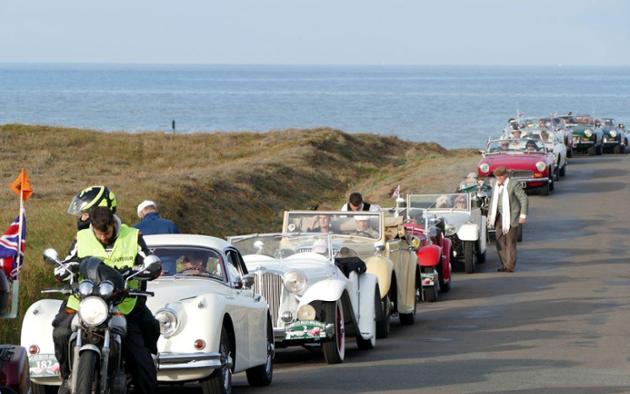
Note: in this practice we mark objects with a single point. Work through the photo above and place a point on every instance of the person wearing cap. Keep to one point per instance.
(363, 227)
(151, 223)
(508, 210)
(356, 203)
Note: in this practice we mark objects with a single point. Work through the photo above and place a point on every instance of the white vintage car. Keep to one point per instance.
(379, 240)
(554, 143)
(463, 223)
(212, 324)
(317, 293)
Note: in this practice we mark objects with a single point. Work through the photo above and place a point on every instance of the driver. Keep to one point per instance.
(194, 265)
(460, 202)
(321, 224)
(531, 147)
(121, 247)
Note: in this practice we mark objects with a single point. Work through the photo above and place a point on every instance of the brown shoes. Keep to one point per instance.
(503, 269)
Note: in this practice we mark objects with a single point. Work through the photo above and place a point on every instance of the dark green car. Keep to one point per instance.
(614, 140)
(587, 137)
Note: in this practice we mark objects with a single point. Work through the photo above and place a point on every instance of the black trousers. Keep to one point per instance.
(141, 340)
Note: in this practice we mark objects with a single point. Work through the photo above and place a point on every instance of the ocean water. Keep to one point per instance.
(456, 106)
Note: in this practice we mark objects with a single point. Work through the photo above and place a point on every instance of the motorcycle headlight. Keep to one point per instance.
(106, 289)
(613, 133)
(295, 282)
(168, 322)
(588, 133)
(540, 166)
(86, 288)
(484, 168)
(93, 311)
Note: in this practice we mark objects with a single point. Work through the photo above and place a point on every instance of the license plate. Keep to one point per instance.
(43, 365)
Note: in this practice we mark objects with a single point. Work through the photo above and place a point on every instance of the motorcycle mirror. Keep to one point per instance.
(151, 260)
(51, 256)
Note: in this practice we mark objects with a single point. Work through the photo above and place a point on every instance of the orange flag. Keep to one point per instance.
(21, 185)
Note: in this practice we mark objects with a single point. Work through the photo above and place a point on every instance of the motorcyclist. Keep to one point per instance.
(121, 247)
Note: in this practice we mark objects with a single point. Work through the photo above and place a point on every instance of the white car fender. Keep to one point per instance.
(368, 284)
(37, 330)
(468, 232)
(325, 290)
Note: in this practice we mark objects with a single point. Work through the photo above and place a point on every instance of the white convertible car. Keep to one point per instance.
(212, 323)
(318, 292)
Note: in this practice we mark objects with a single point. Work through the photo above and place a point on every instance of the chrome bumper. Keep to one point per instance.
(172, 361)
(527, 180)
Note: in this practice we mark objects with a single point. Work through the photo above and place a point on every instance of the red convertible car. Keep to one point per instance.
(527, 161)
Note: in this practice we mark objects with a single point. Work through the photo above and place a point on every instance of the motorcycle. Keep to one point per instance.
(95, 346)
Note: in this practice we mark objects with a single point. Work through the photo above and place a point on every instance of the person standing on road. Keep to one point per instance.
(508, 210)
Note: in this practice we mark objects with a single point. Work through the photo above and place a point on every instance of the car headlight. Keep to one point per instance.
(449, 230)
(484, 168)
(306, 312)
(588, 133)
(93, 311)
(540, 166)
(168, 322)
(295, 282)
(86, 288)
(613, 133)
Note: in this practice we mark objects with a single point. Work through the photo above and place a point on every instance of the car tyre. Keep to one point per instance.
(569, 152)
(220, 381)
(545, 190)
(591, 151)
(445, 286)
(335, 348)
(383, 324)
(262, 375)
(552, 182)
(563, 170)
(430, 294)
(469, 257)
(408, 319)
(617, 149)
(366, 344)
(42, 389)
(481, 257)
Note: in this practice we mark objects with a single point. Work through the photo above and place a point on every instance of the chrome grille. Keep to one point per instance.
(522, 174)
(269, 285)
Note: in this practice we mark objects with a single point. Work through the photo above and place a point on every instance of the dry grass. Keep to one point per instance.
(209, 183)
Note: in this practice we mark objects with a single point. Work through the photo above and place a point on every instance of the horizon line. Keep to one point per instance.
(311, 64)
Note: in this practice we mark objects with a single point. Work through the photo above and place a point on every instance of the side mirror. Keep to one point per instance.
(259, 245)
(51, 256)
(248, 281)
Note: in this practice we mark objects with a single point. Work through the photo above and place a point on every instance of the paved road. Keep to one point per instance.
(559, 324)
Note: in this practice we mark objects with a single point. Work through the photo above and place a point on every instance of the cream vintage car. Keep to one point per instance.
(212, 323)
(379, 240)
(317, 292)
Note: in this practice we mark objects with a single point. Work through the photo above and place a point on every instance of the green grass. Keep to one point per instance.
(211, 183)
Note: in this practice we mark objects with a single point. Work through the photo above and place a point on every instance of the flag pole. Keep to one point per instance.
(15, 286)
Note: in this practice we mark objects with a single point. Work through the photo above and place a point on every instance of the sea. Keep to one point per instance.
(456, 106)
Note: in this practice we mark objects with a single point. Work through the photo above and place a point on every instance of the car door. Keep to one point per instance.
(254, 310)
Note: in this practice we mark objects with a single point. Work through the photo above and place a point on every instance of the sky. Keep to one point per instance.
(389, 32)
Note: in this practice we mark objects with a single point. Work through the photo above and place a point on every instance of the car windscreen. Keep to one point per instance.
(360, 224)
(191, 261)
(280, 246)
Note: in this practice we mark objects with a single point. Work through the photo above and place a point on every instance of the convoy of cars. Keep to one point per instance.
(327, 275)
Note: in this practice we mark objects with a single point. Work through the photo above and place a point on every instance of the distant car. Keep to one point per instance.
(551, 123)
(615, 139)
(554, 143)
(463, 223)
(318, 290)
(535, 168)
(587, 137)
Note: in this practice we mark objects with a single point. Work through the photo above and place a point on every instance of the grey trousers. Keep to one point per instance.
(506, 245)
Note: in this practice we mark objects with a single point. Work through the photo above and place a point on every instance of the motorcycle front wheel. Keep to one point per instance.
(87, 376)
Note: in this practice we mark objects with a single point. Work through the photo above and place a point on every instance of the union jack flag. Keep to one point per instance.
(9, 248)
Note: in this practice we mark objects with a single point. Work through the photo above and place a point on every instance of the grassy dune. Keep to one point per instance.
(211, 183)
